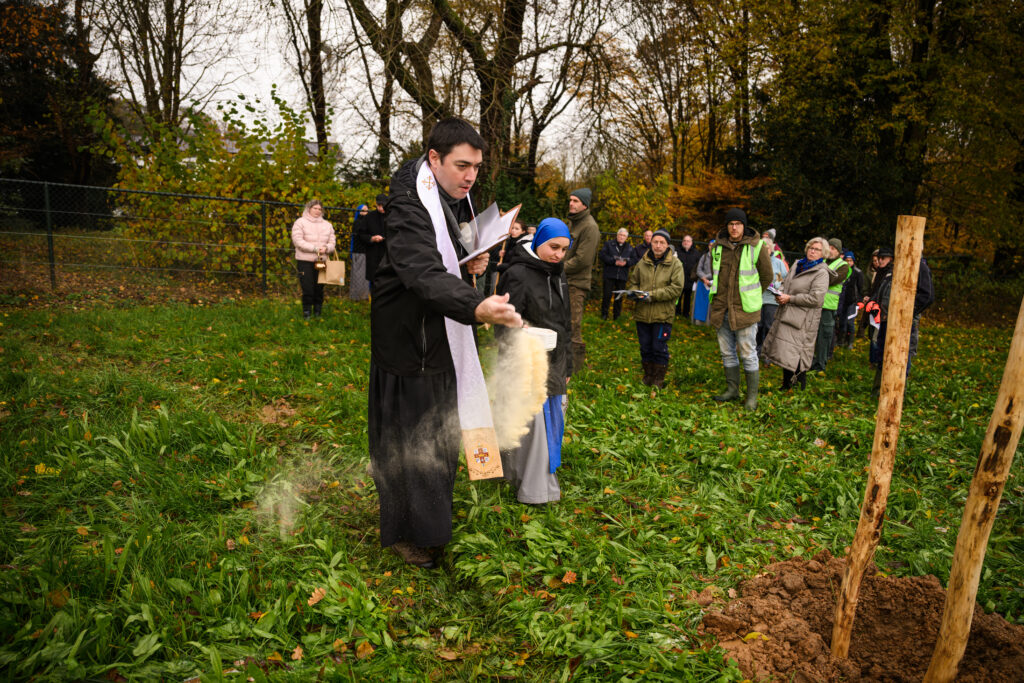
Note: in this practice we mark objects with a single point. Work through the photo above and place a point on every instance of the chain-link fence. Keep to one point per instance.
(53, 236)
(50, 229)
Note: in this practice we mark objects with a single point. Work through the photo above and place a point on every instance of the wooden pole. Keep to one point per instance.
(909, 242)
(980, 513)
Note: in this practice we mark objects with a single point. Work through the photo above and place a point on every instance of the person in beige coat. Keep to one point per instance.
(313, 238)
(790, 341)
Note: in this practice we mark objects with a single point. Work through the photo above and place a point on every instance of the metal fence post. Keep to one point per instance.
(263, 226)
(49, 236)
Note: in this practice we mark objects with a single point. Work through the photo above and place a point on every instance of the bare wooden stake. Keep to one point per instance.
(980, 513)
(909, 242)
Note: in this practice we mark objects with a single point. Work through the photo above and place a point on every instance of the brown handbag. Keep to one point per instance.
(333, 273)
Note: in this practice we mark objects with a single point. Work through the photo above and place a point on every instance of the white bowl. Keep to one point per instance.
(549, 338)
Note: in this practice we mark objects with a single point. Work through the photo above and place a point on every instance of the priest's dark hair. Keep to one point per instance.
(451, 132)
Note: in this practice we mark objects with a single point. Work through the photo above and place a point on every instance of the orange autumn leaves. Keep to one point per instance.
(316, 596)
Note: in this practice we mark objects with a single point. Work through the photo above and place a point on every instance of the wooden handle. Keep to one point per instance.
(980, 513)
(909, 242)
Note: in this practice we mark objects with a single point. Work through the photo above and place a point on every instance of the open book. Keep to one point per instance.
(489, 228)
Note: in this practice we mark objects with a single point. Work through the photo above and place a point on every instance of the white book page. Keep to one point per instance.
(490, 228)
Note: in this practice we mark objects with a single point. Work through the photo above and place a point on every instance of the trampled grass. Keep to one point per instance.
(185, 495)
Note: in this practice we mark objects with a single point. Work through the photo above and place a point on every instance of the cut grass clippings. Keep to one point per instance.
(185, 495)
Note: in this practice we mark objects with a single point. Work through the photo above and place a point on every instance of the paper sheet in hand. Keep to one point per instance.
(631, 294)
(489, 228)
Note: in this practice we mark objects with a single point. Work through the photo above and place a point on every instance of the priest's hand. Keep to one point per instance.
(498, 311)
(478, 265)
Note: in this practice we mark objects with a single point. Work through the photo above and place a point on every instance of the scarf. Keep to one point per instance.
(657, 260)
(554, 423)
(479, 439)
(803, 264)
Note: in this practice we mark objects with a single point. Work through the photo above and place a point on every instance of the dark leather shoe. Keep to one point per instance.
(414, 555)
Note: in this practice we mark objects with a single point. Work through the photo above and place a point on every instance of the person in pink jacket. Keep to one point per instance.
(313, 238)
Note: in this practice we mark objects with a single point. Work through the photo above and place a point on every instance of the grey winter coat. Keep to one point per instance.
(790, 342)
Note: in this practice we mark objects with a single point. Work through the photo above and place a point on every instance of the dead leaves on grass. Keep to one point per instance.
(277, 412)
(317, 595)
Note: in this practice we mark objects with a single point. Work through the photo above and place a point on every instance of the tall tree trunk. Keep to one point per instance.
(384, 133)
(318, 97)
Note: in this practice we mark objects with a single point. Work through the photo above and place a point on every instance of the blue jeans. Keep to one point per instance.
(654, 342)
(738, 345)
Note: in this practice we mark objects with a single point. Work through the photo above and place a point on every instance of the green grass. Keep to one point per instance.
(148, 523)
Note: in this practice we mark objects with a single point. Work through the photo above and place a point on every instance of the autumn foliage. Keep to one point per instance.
(270, 168)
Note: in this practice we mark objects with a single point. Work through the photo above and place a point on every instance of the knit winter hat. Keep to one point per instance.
(837, 243)
(663, 233)
(848, 254)
(885, 252)
(736, 215)
(549, 229)
(584, 195)
(381, 198)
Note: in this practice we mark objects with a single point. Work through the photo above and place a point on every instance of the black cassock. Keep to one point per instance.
(412, 417)
(414, 438)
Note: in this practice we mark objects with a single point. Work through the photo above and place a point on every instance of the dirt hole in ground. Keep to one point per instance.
(781, 626)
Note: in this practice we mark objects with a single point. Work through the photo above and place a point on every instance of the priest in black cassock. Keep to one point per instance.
(425, 377)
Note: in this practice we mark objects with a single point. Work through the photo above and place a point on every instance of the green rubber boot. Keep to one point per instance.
(732, 385)
(753, 378)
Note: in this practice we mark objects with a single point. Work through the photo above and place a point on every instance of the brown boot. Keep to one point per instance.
(414, 555)
(647, 373)
(579, 356)
(658, 373)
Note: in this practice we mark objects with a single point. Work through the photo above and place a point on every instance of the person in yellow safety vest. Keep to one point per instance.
(741, 269)
(838, 271)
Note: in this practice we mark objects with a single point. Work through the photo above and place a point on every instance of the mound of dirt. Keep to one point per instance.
(781, 627)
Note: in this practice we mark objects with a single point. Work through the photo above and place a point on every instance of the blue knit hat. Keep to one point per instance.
(848, 254)
(549, 229)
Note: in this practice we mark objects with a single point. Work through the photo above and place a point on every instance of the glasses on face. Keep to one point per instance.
(813, 248)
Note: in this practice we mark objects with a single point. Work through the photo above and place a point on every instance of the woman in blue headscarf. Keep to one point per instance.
(536, 284)
(358, 289)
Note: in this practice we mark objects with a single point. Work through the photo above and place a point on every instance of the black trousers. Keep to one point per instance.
(610, 285)
(683, 305)
(653, 338)
(312, 293)
(413, 433)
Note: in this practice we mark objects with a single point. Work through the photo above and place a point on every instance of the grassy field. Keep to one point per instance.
(185, 495)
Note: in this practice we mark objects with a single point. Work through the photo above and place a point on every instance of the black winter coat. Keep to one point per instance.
(412, 291)
(611, 251)
(853, 291)
(638, 253)
(540, 293)
(689, 259)
(365, 228)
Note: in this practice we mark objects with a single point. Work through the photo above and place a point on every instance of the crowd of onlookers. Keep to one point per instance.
(672, 281)
(829, 301)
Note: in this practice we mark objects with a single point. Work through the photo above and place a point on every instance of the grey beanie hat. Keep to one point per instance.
(663, 233)
(837, 243)
(583, 194)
